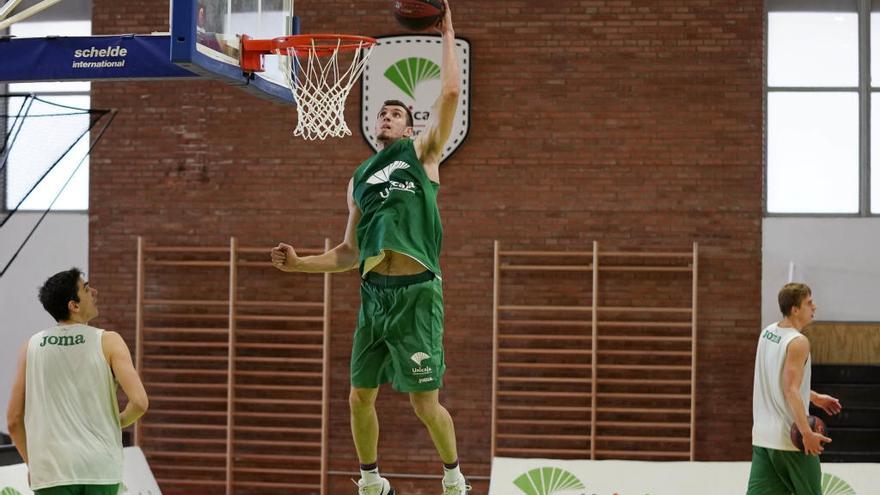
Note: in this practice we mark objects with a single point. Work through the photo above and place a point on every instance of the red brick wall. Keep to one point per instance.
(633, 122)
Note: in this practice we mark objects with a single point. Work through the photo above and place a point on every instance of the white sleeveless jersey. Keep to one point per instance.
(71, 413)
(771, 415)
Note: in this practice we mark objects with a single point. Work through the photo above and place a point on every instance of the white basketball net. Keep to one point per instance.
(320, 89)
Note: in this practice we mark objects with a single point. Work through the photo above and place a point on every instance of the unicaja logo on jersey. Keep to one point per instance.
(549, 481)
(384, 177)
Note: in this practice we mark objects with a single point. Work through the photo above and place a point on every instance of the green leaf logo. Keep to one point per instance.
(547, 480)
(9, 491)
(406, 74)
(832, 485)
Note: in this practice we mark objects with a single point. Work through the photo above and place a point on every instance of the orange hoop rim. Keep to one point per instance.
(323, 44)
(320, 45)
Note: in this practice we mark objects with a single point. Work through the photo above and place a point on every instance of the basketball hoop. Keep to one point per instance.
(318, 85)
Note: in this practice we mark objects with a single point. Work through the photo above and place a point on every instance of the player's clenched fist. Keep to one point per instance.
(284, 257)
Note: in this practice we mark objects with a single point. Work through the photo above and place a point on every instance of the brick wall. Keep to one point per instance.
(633, 122)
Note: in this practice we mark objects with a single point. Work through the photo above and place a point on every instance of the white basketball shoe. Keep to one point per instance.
(459, 487)
(381, 487)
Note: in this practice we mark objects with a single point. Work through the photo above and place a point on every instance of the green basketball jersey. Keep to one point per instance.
(398, 206)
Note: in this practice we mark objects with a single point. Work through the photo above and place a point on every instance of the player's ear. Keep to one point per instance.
(408, 132)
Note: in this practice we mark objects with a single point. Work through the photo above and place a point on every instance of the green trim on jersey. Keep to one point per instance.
(81, 490)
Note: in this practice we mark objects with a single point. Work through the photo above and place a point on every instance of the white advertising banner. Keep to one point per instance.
(407, 68)
(137, 479)
(558, 477)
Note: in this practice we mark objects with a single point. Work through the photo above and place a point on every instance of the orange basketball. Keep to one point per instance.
(418, 15)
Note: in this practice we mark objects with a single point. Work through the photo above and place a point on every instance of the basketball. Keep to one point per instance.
(816, 424)
(418, 15)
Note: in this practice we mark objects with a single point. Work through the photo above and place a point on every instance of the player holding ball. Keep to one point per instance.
(782, 397)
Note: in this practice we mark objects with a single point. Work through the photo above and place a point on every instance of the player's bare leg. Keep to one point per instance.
(365, 431)
(440, 426)
(438, 421)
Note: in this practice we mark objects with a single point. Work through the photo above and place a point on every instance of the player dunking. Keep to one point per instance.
(393, 236)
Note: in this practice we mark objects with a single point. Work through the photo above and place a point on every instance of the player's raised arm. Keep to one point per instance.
(429, 144)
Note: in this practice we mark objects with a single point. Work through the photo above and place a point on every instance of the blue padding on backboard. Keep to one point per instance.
(230, 74)
(80, 58)
(183, 30)
(85, 58)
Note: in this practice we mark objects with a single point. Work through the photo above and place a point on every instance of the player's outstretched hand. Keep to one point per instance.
(284, 257)
(445, 23)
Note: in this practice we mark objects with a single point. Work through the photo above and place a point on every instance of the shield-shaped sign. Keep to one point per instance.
(407, 68)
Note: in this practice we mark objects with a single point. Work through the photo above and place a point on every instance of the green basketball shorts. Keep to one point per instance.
(81, 490)
(784, 472)
(399, 335)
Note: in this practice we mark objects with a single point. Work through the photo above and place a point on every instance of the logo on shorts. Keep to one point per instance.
(419, 369)
(419, 357)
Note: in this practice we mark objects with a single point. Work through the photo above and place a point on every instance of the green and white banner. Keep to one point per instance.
(137, 479)
(558, 477)
(407, 68)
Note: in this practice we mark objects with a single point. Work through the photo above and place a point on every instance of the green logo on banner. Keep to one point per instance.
(9, 491)
(548, 480)
(406, 74)
(832, 485)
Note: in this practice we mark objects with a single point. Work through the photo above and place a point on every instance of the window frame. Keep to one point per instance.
(4, 87)
(863, 9)
(4, 194)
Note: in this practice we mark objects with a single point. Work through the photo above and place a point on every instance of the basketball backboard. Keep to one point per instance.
(205, 38)
(205, 41)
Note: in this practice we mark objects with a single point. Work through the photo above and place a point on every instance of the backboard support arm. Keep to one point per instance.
(24, 14)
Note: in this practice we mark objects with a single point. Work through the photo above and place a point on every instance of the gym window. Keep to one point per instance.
(820, 130)
(21, 173)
